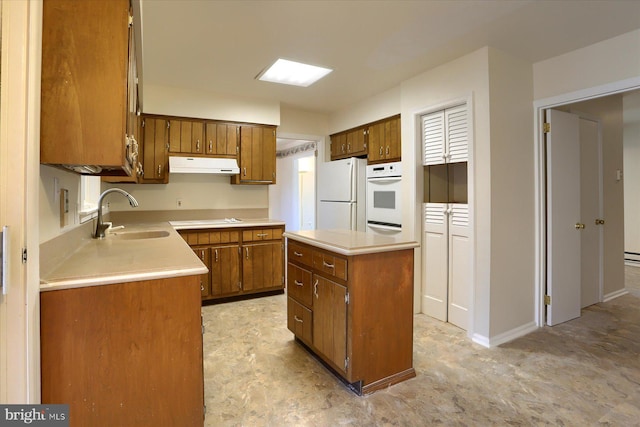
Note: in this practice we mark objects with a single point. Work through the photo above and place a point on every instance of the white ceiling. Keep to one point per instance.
(220, 46)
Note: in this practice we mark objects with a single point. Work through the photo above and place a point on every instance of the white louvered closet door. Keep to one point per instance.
(433, 138)
(456, 134)
(435, 260)
(445, 136)
(459, 275)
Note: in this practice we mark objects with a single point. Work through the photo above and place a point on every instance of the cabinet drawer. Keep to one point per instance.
(299, 284)
(299, 253)
(209, 237)
(261, 234)
(299, 320)
(331, 264)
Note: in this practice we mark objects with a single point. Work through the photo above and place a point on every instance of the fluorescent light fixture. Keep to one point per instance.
(293, 73)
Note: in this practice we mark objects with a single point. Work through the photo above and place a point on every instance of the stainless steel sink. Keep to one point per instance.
(138, 235)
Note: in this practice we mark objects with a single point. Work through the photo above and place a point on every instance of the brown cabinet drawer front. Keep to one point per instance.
(299, 320)
(262, 234)
(218, 237)
(194, 238)
(299, 284)
(299, 253)
(330, 264)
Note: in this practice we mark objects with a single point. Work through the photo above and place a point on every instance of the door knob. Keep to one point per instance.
(579, 226)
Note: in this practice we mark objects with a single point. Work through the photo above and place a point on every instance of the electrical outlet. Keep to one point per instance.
(179, 203)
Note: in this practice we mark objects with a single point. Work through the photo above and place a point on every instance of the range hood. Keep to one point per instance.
(178, 164)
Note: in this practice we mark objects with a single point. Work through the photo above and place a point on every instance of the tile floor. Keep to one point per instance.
(583, 372)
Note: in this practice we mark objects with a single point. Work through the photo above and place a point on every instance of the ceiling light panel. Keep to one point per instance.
(293, 73)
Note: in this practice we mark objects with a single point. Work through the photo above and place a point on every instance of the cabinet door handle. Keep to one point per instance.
(261, 235)
(326, 264)
(202, 255)
(210, 146)
(297, 319)
(246, 251)
(244, 171)
(380, 151)
(159, 169)
(198, 145)
(216, 253)
(201, 286)
(387, 150)
(297, 253)
(298, 283)
(315, 289)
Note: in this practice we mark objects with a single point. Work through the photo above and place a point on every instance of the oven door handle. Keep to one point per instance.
(386, 179)
(384, 227)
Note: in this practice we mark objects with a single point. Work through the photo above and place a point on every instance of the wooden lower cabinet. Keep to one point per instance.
(247, 260)
(224, 271)
(330, 321)
(127, 354)
(262, 266)
(354, 312)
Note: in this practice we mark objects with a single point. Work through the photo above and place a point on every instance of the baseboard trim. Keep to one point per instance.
(505, 336)
(615, 294)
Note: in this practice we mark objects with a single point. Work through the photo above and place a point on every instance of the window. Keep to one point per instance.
(89, 194)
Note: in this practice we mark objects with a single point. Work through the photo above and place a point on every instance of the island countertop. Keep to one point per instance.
(350, 242)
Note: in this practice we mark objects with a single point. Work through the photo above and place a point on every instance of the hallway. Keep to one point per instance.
(583, 372)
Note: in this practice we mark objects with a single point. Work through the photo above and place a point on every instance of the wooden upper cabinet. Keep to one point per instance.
(186, 137)
(385, 141)
(86, 87)
(352, 143)
(338, 146)
(357, 142)
(221, 139)
(257, 155)
(155, 162)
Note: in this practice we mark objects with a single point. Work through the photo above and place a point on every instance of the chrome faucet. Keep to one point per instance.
(100, 226)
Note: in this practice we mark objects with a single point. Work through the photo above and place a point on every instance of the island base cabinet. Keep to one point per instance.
(126, 354)
(361, 312)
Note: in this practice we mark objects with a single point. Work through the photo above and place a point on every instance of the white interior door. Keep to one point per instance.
(563, 217)
(590, 211)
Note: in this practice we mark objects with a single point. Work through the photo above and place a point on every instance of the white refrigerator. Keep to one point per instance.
(341, 194)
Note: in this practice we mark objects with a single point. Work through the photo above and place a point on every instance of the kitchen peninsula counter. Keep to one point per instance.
(350, 303)
(118, 259)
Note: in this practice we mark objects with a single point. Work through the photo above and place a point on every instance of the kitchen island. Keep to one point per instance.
(350, 303)
(121, 331)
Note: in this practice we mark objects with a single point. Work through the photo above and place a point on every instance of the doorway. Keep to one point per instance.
(573, 147)
(292, 198)
(604, 105)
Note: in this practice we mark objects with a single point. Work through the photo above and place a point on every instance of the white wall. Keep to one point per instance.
(172, 101)
(611, 60)
(49, 206)
(461, 79)
(380, 106)
(512, 194)
(631, 143)
(197, 191)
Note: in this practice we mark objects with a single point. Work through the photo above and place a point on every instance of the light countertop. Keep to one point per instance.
(117, 260)
(224, 223)
(349, 242)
